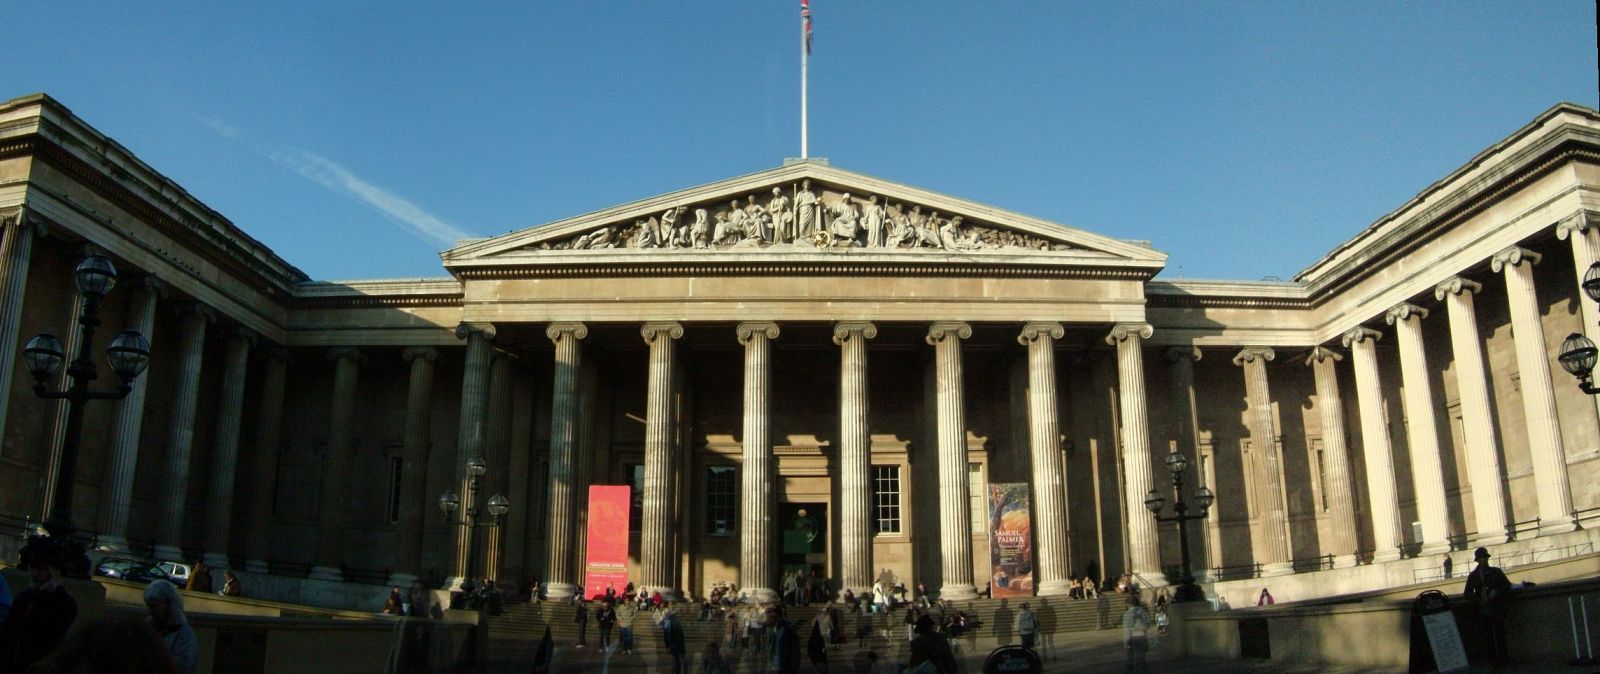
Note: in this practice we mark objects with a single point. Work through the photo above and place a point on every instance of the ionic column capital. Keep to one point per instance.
(349, 353)
(1174, 354)
(467, 330)
(1040, 330)
(1456, 285)
(1122, 331)
(23, 218)
(1513, 257)
(1359, 334)
(559, 331)
(1579, 222)
(1250, 354)
(236, 331)
(1322, 353)
(943, 330)
(426, 353)
(749, 330)
(844, 330)
(197, 309)
(657, 330)
(149, 283)
(1403, 312)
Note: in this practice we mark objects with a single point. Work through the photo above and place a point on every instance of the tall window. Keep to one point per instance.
(979, 497)
(634, 474)
(722, 488)
(396, 465)
(1321, 483)
(886, 499)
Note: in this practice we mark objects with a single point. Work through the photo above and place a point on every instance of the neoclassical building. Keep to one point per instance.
(810, 368)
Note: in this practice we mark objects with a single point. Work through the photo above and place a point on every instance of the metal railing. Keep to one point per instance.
(1236, 572)
(1524, 527)
(1309, 564)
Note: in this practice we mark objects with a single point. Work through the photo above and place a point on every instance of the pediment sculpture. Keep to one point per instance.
(802, 218)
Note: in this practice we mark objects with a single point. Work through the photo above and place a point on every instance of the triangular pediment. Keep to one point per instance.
(804, 208)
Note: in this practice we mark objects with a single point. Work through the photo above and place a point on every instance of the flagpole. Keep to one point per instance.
(804, 59)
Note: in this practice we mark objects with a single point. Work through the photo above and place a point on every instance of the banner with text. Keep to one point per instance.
(606, 564)
(1010, 541)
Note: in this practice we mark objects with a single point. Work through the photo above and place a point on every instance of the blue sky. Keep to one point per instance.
(1245, 139)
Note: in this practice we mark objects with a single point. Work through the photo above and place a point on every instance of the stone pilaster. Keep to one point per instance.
(855, 456)
(471, 437)
(1583, 230)
(335, 464)
(126, 425)
(225, 453)
(1376, 448)
(180, 432)
(756, 540)
(1144, 550)
(1336, 489)
(1477, 418)
(414, 464)
(955, 520)
(269, 422)
(498, 455)
(1427, 471)
(1538, 394)
(16, 251)
(1274, 530)
(1049, 472)
(657, 548)
(561, 576)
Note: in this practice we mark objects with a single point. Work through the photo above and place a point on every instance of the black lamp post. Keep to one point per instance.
(1187, 589)
(128, 355)
(498, 506)
(1578, 352)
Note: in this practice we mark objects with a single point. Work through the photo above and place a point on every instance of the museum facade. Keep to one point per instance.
(812, 369)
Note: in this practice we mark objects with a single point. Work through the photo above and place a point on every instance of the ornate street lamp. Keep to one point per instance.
(128, 355)
(498, 506)
(1578, 353)
(1154, 501)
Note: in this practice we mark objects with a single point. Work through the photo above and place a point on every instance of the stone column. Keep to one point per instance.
(955, 520)
(225, 454)
(1144, 550)
(561, 576)
(1336, 458)
(1583, 229)
(1477, 419)
(498, 456)
(336, 462)
(175, 477)
(1375, 445)
(70, 343)
(127, 422)
(264, 483)
(1427, 471)
(657, 552)
(1538, 395)
(756, 541)
(855, 457)
(470, 437)
(414, 464)
(1186, 412)
(16, 250)
(1264, 440)
(1044, 444)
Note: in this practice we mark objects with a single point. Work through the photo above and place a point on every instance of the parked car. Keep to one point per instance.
(132, 570)
(177, 572)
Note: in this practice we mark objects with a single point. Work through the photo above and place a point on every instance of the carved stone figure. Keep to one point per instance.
(951, 236)
(926, 234)
(805, 217)
(757, 224)
(846, 222)
(782, 216)
(724, 231)
(700, 231)
(667, 231)
(873, 220)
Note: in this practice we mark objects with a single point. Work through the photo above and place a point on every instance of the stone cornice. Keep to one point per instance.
(369, 294)
(920, 265)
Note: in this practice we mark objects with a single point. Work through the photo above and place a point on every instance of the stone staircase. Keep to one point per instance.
(515, 634)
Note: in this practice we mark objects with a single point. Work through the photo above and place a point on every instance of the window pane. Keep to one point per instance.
(978, 495)
(635, 476)
(395, 468)
(886, 499)
(721, 500)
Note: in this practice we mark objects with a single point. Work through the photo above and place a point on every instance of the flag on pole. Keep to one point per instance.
(805, 17)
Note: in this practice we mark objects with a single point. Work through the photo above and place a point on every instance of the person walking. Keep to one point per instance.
(785, 644)
(625, 616)
(1136, 635)
(40, 615)
(817, 648)
(606, 617)
(672, 637)
(930, 652)
(1490, 593)
(1027, 626)
(580, 615)
(199, 578)
(165, 605)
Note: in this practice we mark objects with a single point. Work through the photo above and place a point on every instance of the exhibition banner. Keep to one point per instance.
(1010, 541)
(606, 564)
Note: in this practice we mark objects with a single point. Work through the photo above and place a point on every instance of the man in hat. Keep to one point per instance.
(41, 615)
(1490, 592)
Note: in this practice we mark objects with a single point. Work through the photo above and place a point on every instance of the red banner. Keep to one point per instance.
(606, 564)
(1010, 541)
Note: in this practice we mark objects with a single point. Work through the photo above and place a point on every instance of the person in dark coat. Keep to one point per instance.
(929, 646)
(606, 617)
(199, 578)
(1490, 592)
(817, 649)
(581, 617)
(40, 616)
(547, 649)
(672, 637)
(785, 644)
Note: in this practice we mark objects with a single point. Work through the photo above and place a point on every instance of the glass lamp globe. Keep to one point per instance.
(95, 276)
(1154, 501)
(1577, 355)
(129, 354)
(449, 502)
(1591, 282)
(43, 355)
(1203, 498)
(1176, 462)
(476, 466)
(499, 505)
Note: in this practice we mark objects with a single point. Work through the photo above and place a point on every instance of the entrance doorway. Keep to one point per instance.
(805, 539)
